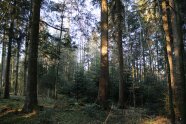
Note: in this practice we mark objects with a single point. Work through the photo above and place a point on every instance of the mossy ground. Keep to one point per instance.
(66, 110)
(63, 111)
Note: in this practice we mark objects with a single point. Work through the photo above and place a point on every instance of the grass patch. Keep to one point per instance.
(63, 111)
(68, 111)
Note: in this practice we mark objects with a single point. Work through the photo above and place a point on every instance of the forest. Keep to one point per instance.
(92, 62)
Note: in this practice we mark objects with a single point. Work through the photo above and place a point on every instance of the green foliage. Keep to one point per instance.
(92, 81)
(93, 110)
(114, 83)
(47, 80)
(66, 88)
(79, 86)
(46, 117)
(91, 88)
(85, 84)
(14, 102)
(154, 95)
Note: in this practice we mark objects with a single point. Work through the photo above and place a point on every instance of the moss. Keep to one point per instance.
(70, 113)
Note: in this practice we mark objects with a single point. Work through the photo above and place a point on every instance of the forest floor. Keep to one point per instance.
(68, 111)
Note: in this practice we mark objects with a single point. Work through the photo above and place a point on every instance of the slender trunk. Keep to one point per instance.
(3, 61)
(144, 64)
(169, 58)
(12, 72)
(17, 67)
(157, 58)
(7, 76)
(150, 61)
(25, 66)
(31, 101)
(133, 83)
(137, 71)
(140, 71)
(142, 53)
(104, 74)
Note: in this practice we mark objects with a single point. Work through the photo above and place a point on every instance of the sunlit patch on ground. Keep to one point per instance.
(5, 111)
(156, 120)
(29, 115)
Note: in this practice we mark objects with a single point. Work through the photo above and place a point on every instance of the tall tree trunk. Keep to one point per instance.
(12, 70)
(180, 89)
(169, 58)
(31, 101)
(104, 74)
(119, 20)
(17, 66)
(170, 89)
(27, 47)
(3, 62)
(25, 65)
(157, 59)
(7, 73)
(141, 52)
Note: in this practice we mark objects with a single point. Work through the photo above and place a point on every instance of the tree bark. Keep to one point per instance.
(180, 89)
(170, 89)
(119, 20)
(17, 66)
(31, 101)
(25, 66)
(7, 73)
(3, 61)
(27, 48)
(104, 73)
(169, 58)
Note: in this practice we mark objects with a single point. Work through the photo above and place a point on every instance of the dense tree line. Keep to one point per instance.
(134, 55)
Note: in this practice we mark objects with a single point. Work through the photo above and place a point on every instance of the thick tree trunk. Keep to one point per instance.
(31, 101)
(7, 73)
(180, 89)
(119, 18)
(104, 74)
(27, 48)
(169, 58)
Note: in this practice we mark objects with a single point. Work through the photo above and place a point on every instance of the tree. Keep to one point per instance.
(19, 39)
(104, 78)
(25, 65)
(3, 62)
(31, 101)
(180, 89)
(119, 21)
(7, 73)
(169, 58)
